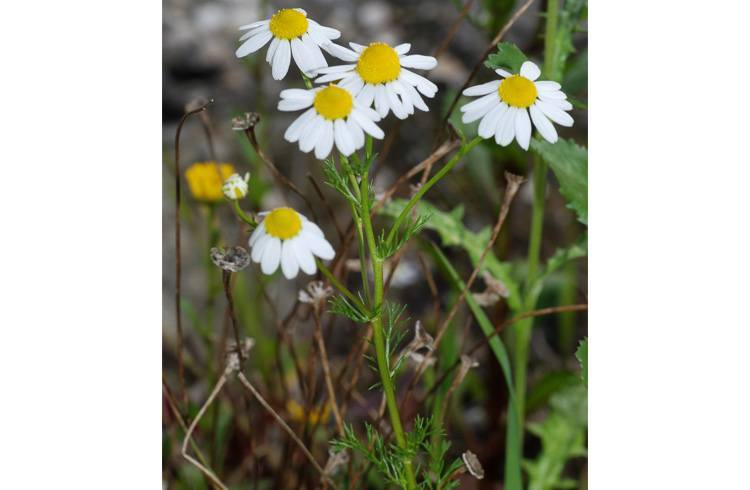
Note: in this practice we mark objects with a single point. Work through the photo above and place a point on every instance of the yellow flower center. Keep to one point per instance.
(288, 24)
(378, 63)
(517, 91)
(283, 223)
(333, 102)
(206, 179)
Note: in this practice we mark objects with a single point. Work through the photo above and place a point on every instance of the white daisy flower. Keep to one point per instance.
(286, 237)
(506, 104)
(235, 187)
(292, 35)
(335, 116)
(379, 73)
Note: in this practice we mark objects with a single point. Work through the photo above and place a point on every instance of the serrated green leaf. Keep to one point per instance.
(570, 164)
(453, 233)
(582, 354)
(508, 57)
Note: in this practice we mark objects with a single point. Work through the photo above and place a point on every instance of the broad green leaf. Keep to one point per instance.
(582, 354)
(508, 57)
(453, 233)
(563, 436)
(514, 432)
(570, 164)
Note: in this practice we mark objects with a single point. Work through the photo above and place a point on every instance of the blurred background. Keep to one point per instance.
(237, 437)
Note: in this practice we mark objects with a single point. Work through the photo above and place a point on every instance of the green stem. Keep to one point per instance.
(379, 335)
(308, 82)
(335, 282)
(428, 185)
(358, 226)
(550, 46)
(241, 214)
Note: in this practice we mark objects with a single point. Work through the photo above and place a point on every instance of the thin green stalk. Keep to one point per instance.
(357, 226)
(241, 214)
(335, 282)
(428, 185)
(378, 333)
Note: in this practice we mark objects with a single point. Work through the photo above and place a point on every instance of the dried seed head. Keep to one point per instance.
(473, 465)
(245, 121)
(315, 293)
(494, 290)
(232, 359)
(421, 348)
(336, 460)
(231, 259)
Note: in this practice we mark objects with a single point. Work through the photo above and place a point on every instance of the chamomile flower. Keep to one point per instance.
(292, 35)
(286, 237)
(506, 104)
(334, 116)
(379, 73)
(235, 187)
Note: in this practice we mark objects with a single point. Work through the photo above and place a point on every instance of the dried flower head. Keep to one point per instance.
(494, 290)
(315, 293)
(235, 187)
(336, 460)
(420, 349)
(231, 259)
(245, 121)
(473, 465)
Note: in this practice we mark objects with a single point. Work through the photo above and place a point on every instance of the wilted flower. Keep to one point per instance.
(506, 104)
(235, 187)
(288, 238)
(231, 259)
(294, 36)
(245, 121)
(205, 180)
(335, 461)
(420, 349)
(315, 293)
(493, 291)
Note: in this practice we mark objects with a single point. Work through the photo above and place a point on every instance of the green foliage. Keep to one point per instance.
(560, 258)
(340, 305)
(453, 233)
(569, 17)
(508, 57)
(339, 181)
(385, 248)
(514, 433)
(582, 354)
(563, 436)
(388, 459)
(570, 164)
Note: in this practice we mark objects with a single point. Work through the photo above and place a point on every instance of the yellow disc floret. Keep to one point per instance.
(517, 91)
(288, 24)
(378, 63)
(283, 223)
(206, 179)
(333, 102)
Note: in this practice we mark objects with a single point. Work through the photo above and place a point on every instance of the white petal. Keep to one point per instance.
(488, 124)
(559, 103)
(293, 104)
(281, 58)
(252, 32)
(289, 265)
(325, 143)
(342, 53)
(336, 69)
(318, 61)
(311, 227)
(416, 99)
(272, 49)
(480, 102)
(402, 48)
(344, 140)
(394, 103)
(547, 86)
(367, 95)
(367, 124)
(554, 95)
(327, 32)
(356, 131)
(357, 47)
(368, 112)
(353, 84)
(254, 24)
(271, 255)
(542, 124)
(253, 44)
(301, 11)
(503, 73)
(319, 246)
(381, 103)
(304, 257)
(530, 70)
(257, 233)
(294, 130)
(555, 113)
(400, 90)
(483, 89)
(418, 61)
(331, 77)
(523, 128)
(311, 133)
(506, 130)
(426, 87)
(297, 94)
(301, 55)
